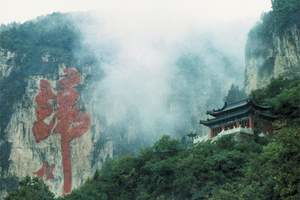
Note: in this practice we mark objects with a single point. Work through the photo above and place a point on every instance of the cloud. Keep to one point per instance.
(164, 63)
(170, 10)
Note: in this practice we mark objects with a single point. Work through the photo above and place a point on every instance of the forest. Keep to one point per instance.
(228, 169)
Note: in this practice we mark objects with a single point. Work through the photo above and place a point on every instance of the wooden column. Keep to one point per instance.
(251, 123)
(210, 133)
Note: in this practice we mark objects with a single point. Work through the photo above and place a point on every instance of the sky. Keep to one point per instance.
(198, 10)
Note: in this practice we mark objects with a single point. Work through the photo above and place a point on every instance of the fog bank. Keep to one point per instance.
(160, 71)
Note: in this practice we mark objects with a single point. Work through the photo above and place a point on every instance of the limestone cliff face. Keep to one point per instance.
(5, 68)
(48, 124)
(278, 56)
(21, 154)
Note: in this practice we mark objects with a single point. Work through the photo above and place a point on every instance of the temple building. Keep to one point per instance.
(244, 116)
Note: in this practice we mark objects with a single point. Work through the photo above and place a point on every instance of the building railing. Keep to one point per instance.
(200, 138)
(236, 130)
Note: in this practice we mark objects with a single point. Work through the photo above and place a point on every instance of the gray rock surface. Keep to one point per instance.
(279, 58)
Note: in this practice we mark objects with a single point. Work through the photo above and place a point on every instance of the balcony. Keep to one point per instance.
(201, 138)
(235, 131)
(222, 133)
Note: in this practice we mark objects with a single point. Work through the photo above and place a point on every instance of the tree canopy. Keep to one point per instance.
(31, 188)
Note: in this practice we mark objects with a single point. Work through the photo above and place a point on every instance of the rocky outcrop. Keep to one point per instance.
(5, 65)
(26, 152)
(49, 127)
(277, 56)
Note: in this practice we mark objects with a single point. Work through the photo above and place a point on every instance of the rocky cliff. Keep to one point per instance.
(49, 126)
(272, 53)
(31, 146)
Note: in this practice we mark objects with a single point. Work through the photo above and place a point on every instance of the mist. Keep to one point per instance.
(161, 71)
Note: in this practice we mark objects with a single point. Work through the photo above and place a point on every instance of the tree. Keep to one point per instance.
(285, 7)
(33, 189)
(283, 95)
(286, 12)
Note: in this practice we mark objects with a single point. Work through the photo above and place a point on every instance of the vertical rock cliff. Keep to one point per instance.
(48, 124)
(279, 57)
(273, 47)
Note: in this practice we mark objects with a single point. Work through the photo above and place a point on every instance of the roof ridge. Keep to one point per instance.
(236, 102)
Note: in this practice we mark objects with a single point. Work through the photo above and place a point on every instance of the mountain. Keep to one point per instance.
(60, 117)
(273, 46)
(64, 114)
(48, 124)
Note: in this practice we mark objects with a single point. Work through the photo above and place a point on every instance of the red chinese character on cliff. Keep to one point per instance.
(64, 118)
(46, 171)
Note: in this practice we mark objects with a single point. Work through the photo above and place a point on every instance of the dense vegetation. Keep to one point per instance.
(228, 169)
(283, 95)
(284, 14)
(33, 189)
(54, 35)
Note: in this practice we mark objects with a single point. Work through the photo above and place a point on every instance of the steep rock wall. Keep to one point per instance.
(33, 53)
(22, 155)
(278, 56)
(5, 58)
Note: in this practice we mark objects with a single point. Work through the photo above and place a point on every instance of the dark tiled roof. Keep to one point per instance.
(236, 105)
(228, 117)
(237, 110)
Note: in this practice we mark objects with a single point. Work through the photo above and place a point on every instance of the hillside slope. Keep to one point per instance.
(251, 168)
(247, 169)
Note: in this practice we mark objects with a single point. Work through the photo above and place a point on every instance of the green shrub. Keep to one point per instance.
(31, 188)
